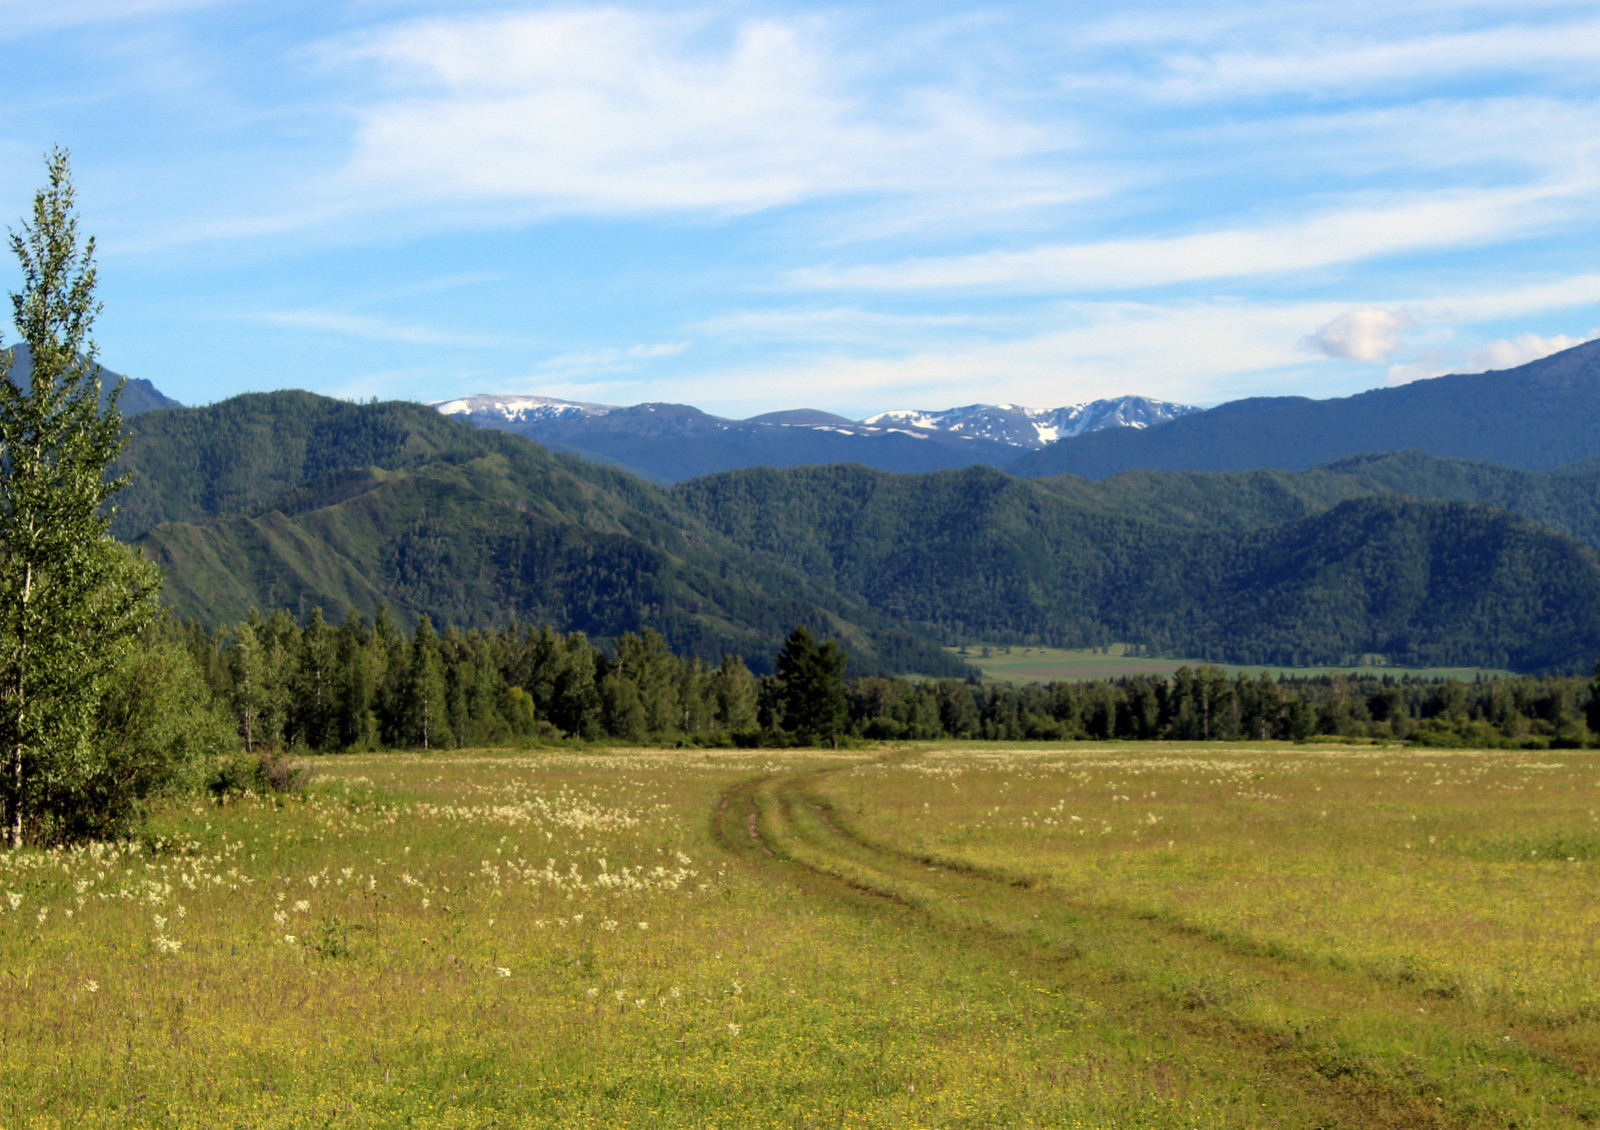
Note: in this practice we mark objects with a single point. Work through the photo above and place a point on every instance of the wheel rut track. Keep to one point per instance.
(780, 824)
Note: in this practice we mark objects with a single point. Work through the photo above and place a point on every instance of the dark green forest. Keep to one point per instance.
(367, 684)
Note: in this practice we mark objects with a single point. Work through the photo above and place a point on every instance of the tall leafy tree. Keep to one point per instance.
(71, 600)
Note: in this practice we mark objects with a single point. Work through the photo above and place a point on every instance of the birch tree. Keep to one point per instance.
(71, 599)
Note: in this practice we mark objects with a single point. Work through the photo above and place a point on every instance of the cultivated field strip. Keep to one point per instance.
(1338, 1044)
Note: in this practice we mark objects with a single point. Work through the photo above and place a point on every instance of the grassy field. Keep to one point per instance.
(1014, 664)
(1092, 936)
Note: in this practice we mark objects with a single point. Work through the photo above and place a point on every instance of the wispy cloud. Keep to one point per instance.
(842, 325)
(27, 17)
(369, 328)
(1349, 62)
(1072, 352)
(608, 360)
(609, 110)
(1346, 236)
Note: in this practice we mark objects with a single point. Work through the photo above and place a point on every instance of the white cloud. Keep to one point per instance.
(843, 325)
(607, 110)
(1341, 61)
(375, 329)
(1516, 301)
(1346, 236)
(1074, 352)
(1508, 353)
(1367, 333)
(610, 360)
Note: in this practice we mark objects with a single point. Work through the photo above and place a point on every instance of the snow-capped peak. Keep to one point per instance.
(519, 409)
(1035, 427)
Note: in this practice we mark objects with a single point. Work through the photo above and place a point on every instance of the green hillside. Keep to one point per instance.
(976, 555)
(297, 501)
(294, 500)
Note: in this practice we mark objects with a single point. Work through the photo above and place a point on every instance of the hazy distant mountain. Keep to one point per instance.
(1036, 427)
(138, 395)
(672, 442)
(1542, 414)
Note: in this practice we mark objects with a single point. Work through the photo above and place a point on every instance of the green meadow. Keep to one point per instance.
(1017, 664)
(1111, 935)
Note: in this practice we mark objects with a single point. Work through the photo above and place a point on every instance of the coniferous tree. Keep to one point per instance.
(71, 600)
(427, 710)
(811, 692)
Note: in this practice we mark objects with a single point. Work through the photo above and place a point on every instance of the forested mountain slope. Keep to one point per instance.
(1564, 498)
(1541, 414)
(288, 499)
(294, 500)
(975, 554)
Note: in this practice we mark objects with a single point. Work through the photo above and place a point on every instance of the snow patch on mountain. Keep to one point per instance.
(520, 409)
(1036, 427)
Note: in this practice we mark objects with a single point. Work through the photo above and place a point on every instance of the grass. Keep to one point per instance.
(1089, 935)
(1017, 664)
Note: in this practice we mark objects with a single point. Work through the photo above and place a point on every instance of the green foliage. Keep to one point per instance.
(71, 600)
(264, 773)
(809, 691)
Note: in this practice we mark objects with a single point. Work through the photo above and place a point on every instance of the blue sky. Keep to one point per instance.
(749, 206)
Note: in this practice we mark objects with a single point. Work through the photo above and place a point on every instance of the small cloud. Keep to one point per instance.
(1367, 333)
(1508, 353)
(1405, 373)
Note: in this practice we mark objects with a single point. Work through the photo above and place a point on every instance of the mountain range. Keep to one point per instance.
(673, 442)
(1538, 415)
(1404, 556)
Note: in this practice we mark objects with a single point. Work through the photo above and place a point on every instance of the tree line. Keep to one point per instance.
(366, 684)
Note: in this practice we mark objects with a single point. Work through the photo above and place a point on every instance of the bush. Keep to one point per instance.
(262, 773)
(156, 728)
